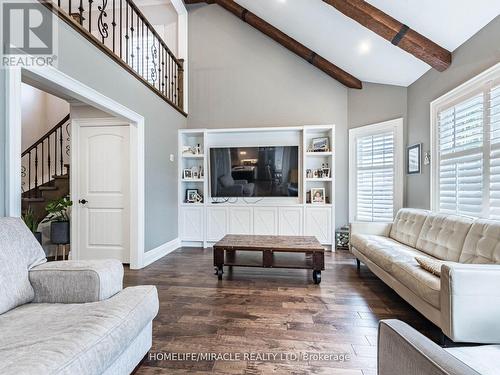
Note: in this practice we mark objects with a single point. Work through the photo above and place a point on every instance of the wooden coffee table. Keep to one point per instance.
(243, 251)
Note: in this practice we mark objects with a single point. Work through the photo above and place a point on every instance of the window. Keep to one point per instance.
(466, 148)
(375, 171)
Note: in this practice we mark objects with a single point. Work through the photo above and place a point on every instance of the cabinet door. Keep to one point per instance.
(265, 221)
(192, 223)
(319, 223)
(290, 221)
(216, 223)
(241, 220)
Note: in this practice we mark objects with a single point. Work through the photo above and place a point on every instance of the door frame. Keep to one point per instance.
(53, 80)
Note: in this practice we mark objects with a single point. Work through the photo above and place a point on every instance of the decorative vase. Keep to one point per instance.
(38, 236)
(59, 232)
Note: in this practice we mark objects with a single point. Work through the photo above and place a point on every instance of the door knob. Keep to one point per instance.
(82, 201)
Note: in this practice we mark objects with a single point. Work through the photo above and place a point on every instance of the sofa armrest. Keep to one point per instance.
(403, 350)
(470, 302)
(375, 228)
(76, 281)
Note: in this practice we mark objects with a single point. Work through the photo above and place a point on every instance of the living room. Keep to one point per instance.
(264, 187)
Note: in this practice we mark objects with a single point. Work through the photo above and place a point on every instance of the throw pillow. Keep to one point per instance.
(430, 265)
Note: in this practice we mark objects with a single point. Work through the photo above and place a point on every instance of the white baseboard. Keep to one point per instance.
(160, 251)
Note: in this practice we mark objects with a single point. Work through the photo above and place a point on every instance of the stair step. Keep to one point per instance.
(62, 177)
(32, 200)
(45, 188)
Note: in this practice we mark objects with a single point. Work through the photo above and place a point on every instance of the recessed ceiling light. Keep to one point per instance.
(364, 47)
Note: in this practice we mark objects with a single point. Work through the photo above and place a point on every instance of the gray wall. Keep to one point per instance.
(241, 78)
(84, 62)
(474, 56)
(2, 144)
(376, 103)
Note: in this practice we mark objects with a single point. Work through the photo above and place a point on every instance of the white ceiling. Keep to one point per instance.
(363, 53)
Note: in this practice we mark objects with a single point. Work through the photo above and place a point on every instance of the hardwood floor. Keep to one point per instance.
(264, 311)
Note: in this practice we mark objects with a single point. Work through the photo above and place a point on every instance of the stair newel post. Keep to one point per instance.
(180, 84)
(61, 149)
(36, 167)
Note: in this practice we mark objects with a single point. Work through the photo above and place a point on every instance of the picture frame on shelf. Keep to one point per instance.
(187, 174)
(318, 196)
(321, 144)
(192, 195)
(195, 175)
(326, 173)
(414, 159)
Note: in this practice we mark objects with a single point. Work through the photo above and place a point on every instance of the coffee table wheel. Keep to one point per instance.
(219, 272)
(316, 276)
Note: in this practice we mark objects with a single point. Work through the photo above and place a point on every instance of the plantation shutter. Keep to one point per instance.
(375, 177)
(469, 155)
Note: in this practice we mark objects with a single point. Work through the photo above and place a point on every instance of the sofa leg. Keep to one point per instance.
(358, 264)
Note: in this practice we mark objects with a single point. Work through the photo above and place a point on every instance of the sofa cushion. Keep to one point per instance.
(383, 251)
(407, 225)
(19, 252)
(442, 236)
(482, 244)
(74, 338)
(483, 359)
(226, 180)
(421, 282)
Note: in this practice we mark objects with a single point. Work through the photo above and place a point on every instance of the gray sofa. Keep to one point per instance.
(403, 350)
(68, 317)
(465, 300)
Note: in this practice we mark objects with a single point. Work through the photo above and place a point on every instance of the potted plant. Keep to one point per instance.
(31, 222)
(59, 220)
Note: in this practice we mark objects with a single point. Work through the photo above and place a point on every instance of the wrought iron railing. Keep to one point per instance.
(45, 159)
(121, 30)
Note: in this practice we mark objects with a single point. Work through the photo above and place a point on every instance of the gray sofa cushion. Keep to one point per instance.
(80, 339)
(19, 252)
(484, 359)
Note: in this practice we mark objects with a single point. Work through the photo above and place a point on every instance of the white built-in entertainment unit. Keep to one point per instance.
(204, 220)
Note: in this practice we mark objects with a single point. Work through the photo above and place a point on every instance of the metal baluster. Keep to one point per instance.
(61, 149)
(138, 48)
(69, 7)
(126, 32)
(55, 153)
(160, 55)
(36, 167)
(147, 53)
(48, 155)
(114, 25)
(43, 163)
(176, 84)
(29, 173)
(142, 49)
(132, 34)
(162, 76)
(121, 29)
(165, 73)
(90, 15)
(80, 9)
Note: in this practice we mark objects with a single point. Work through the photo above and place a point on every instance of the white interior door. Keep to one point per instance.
(103, 192)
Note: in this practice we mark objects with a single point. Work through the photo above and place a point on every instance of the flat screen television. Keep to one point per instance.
(271, 171)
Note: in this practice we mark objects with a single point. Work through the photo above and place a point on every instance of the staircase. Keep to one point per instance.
(45, 169)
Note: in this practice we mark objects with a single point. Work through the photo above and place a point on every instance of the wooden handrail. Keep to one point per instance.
(46, 135)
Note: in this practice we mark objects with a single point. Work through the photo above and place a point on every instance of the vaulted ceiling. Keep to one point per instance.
(361, 52)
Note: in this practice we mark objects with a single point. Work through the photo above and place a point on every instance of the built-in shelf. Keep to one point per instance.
(193, 180)
(192, 204)
(193, 156)
(328, 153)
(319, 179)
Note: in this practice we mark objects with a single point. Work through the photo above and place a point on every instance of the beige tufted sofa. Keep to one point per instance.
(465, 300)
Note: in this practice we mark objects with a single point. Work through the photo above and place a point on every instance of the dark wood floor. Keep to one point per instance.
(269, 310)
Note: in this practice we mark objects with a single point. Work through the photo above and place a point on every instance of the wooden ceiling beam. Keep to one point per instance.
(291, 44)
(394, 31)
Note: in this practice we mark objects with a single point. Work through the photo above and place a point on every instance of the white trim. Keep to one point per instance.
(64, 84)
(399, 170)
(160, 251)
(452, 97)
(182, 45)
(13, 140)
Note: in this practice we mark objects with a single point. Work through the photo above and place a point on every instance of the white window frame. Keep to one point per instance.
(396, 126)
(455, 96)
